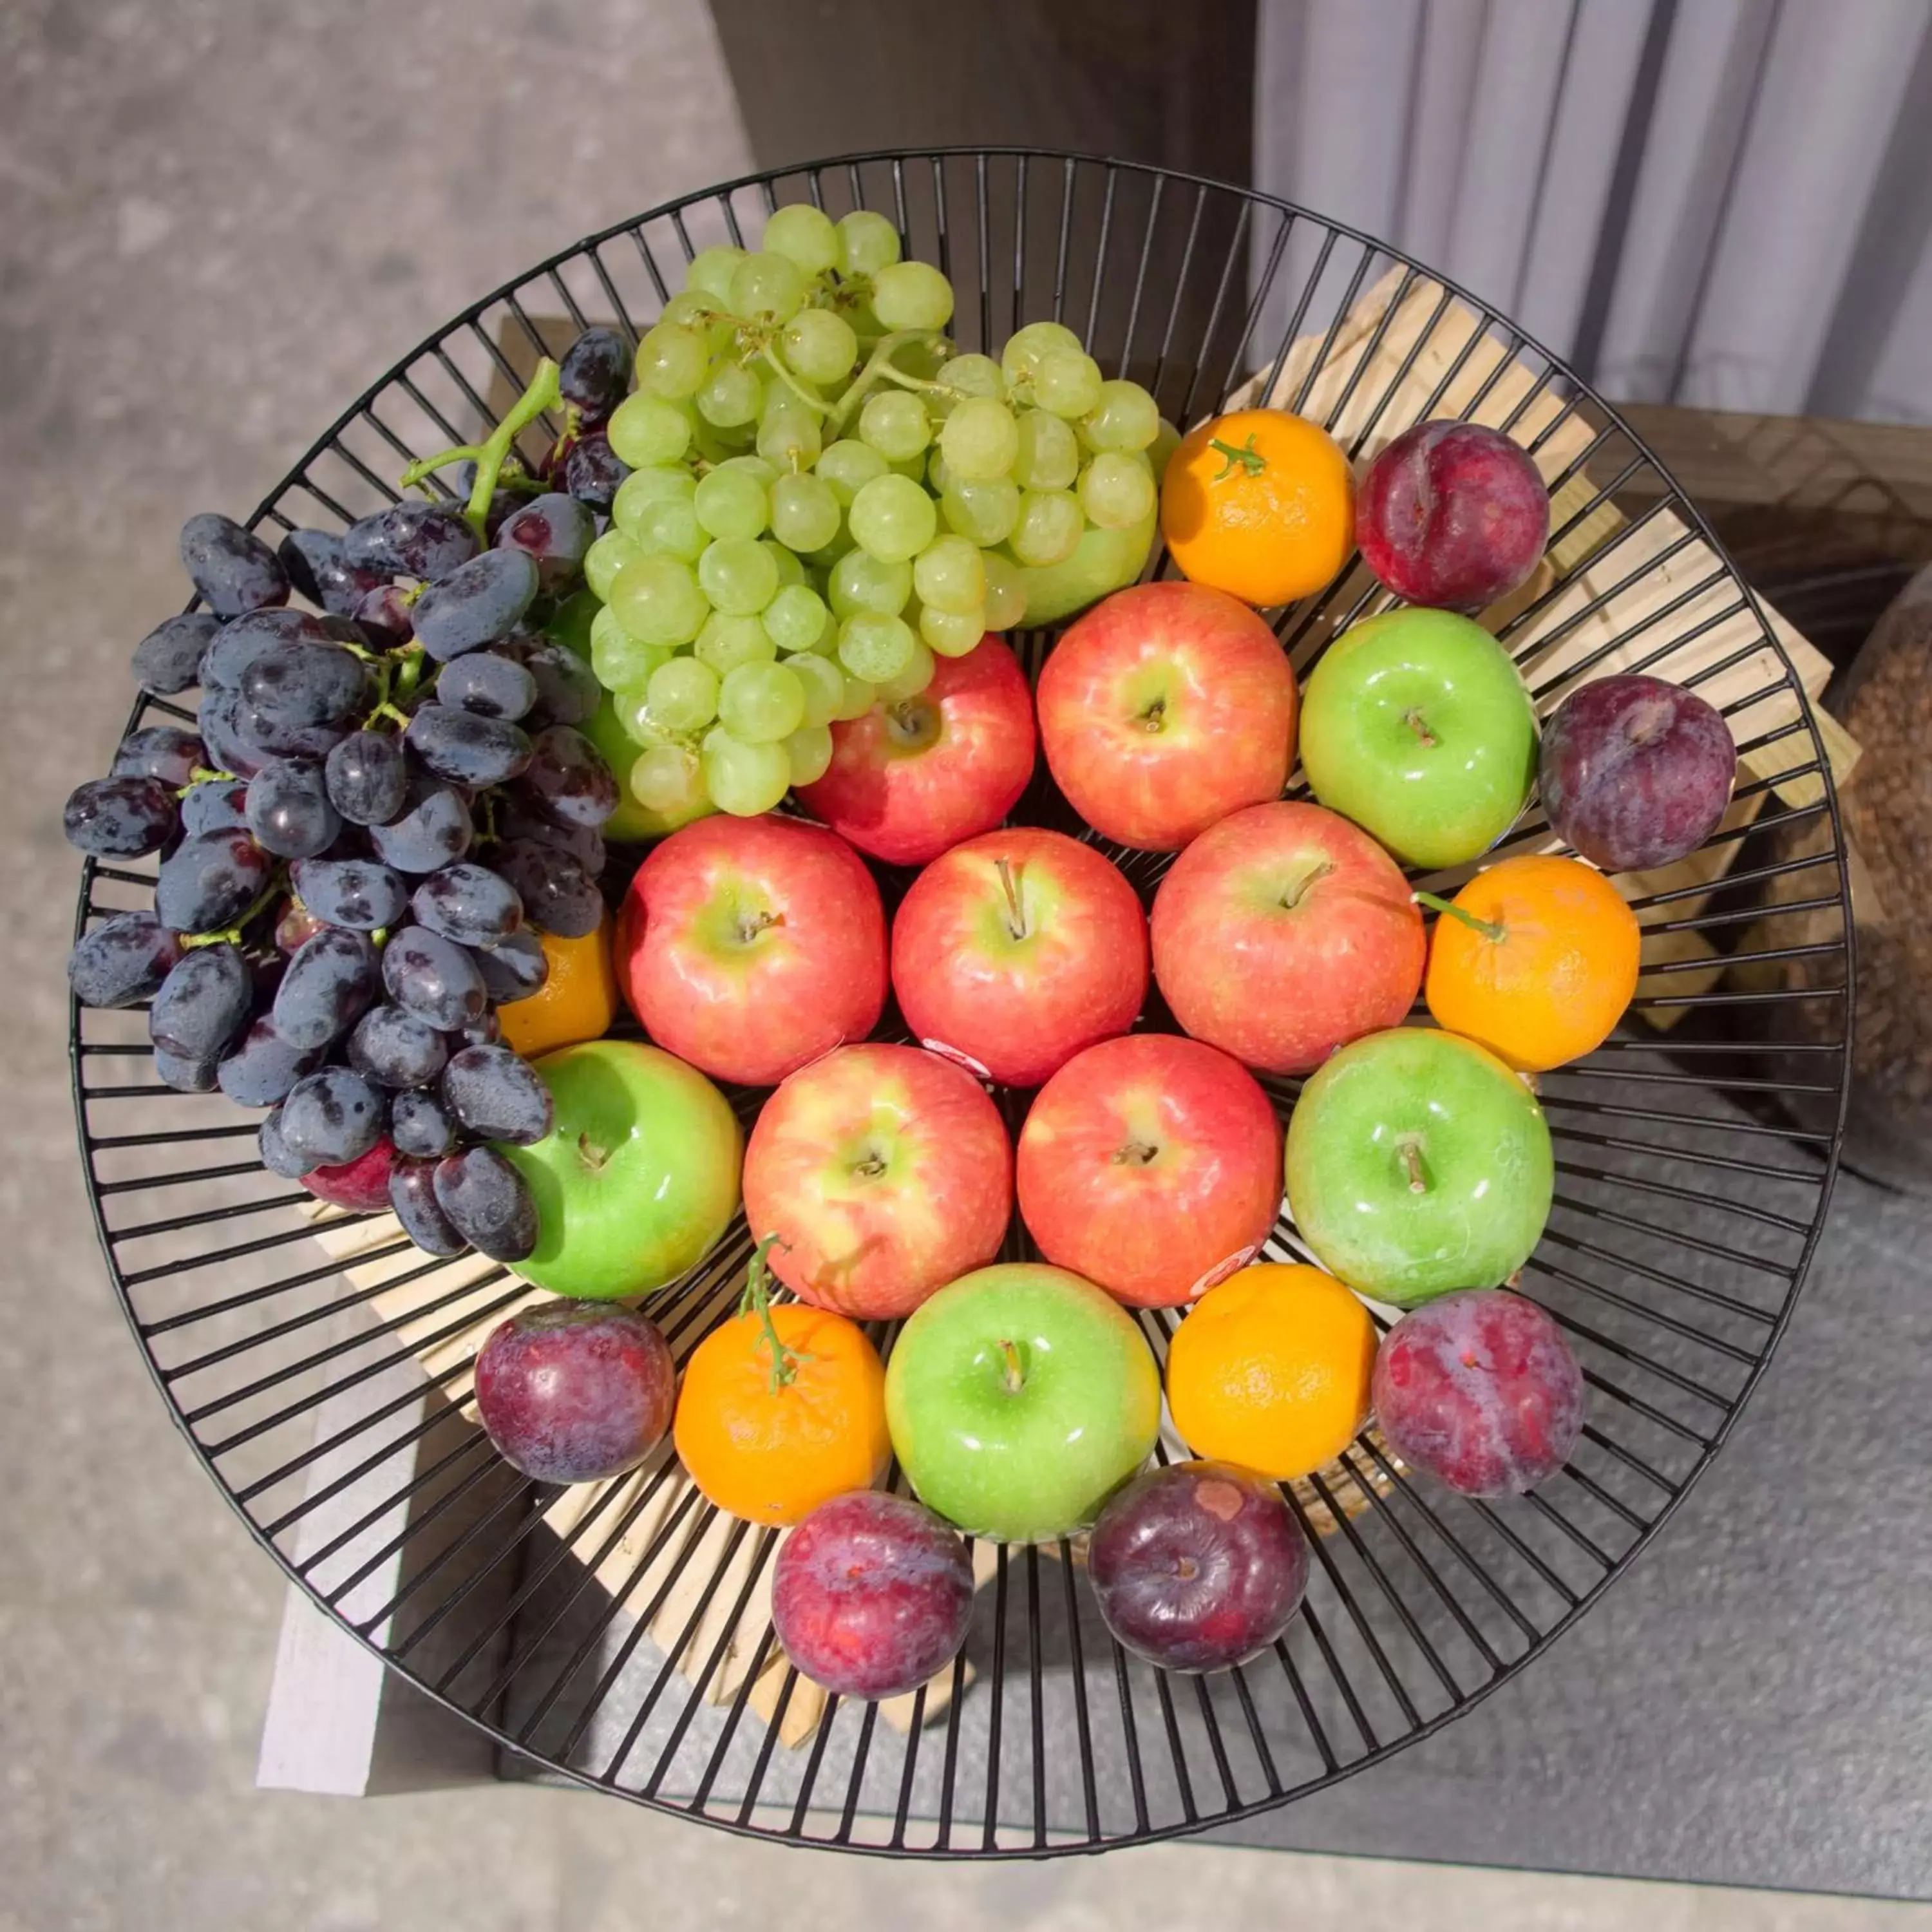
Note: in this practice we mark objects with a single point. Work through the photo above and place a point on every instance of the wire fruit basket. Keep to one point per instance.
(619, 1637)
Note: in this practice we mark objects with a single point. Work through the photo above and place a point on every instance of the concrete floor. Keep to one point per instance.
(217, 219)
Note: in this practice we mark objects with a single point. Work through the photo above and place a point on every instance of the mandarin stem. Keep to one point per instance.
(1491, 929)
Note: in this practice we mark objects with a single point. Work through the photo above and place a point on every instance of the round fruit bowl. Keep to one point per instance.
(619, 1634)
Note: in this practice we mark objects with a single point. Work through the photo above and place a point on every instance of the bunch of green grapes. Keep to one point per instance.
(824, 494)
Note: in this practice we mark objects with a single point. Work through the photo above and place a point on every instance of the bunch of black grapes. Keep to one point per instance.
(386, 801)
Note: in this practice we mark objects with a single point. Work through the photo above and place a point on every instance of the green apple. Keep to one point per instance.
(1017, 1398)
(1102, 561)
(1417, 1162)
(638, 1177)
(631, 823)
(1416, 725)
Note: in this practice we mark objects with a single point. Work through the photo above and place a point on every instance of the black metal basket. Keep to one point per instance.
(1694, 1166)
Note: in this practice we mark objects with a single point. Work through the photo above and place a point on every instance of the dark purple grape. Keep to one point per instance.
(558, 896)
(433, 978)
(520, 817)
(215, 804)
(305, 685)
(488, 1203)
(233, 569)
(121, 818)
(286, 741)
(568, 692)
(289, 810)
(595, 372)
(121, 961)
(466, 749)
(592, 471)
(514, 968)
(277, 1156)
(497, 1095)
(490, 685)
(384, 618)
(184, 1073)
(330, 983)
(332, 1116)
(486, 1031)
(160, 751)
(432, 830)
(264, 1067)
(397, 1048)
(419, 1126)
(477, 603)
(412, 1196)
(367, 776)
(208, 882)
(219, 721)
(568, 777)
(314, 563)
(168, 659)
(363, 894)
(555, 530)
(242, 640)
(421, 540)
(469, 903)
(203, 1004)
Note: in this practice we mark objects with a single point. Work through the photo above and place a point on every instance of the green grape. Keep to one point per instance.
(1025, 346)
(671, 360)
(1166, 442)
(895, 423)
(729, 503)
(804, 235)
(860, 581)
(657, 598)
(848, 465)
(655, 483)
(859, 698)
(683, 694)
(797, 618)
(952, 633)
(621, 661)
(670, 527)
(743, 779)
(892, 517)
(788, 431)
(760, 702)
(809, 753)
(693, 308)
(973, 376)
(823, 683)
(911, 681)
(750, 464)
(769, 286)
(789, 568)
(948, 573)
(1125, 417)
(1049, 453)
(912, 295)
(937, 474)
(804, 513)
(730, 396)
(870, 242)
(1050, 523)
(646, 430)
(739, 577)
(819, 346)
(985, 512)
(1006, 593)
(711, 270)
(726, 642)
(1116, 491)
(667, 778)
(1067, 383)
(604, 558)
(875, 648)
(638, 721)
(979, 441)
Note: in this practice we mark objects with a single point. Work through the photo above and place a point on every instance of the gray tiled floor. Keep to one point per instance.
(218, 220)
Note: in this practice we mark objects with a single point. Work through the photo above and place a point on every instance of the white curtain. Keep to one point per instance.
(1721, 202)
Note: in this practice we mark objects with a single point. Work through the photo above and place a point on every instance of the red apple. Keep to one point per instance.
(1165, 708)
(1150, 1165)
(884, 1172)
(749, 946)
(1016, 949)
(1285, 932)
(916, 775)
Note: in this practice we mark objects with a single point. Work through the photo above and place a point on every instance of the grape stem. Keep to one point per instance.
(816, 404)
(203, 774)
(1492, 930)
(888, 346)
(756, 1300)
(231, 935)
(491, 454)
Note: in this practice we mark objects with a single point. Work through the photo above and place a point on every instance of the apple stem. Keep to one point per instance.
(1297, 887)
(1417, 723)
(752, 924)
(1411, 1161)
(592, 1156)
(1246, 458)
(756, 1300)
(1015, 1376)
(1134, 1154)
(1492, 930)
(1015, 912)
